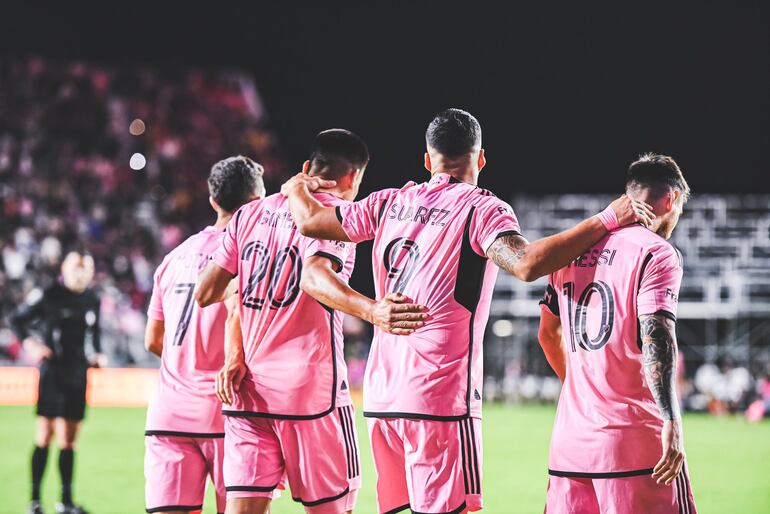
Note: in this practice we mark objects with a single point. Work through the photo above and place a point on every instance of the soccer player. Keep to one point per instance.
(292, 412)
(617, 444)
(69, 311)
(184, 441)
(434, 244)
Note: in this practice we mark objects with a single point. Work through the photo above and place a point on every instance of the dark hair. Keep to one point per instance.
(233, 181)
(453, 133)
(336, 152)
(659, 172)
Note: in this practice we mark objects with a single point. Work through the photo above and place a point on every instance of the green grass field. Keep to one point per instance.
(729, 463)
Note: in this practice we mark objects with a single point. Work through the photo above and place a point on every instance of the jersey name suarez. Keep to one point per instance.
(430, 243)
(607, 420)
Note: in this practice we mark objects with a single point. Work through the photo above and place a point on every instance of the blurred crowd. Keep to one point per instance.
(68, 132)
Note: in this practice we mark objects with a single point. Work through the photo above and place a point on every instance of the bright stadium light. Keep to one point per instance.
(136, 128)
(137, 161)
(502, 328)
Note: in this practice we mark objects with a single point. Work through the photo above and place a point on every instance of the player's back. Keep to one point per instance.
(430, 243)
(292, 343)
(193, 343)
(607, 418)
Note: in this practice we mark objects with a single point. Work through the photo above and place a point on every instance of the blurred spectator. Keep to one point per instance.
(65, 147)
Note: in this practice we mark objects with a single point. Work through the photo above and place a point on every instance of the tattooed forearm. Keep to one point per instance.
(659, 358)
(507, 252)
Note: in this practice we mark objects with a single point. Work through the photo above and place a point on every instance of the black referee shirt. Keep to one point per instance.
(67, 318)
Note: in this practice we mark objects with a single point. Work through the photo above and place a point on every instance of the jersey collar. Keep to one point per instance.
(443, 178)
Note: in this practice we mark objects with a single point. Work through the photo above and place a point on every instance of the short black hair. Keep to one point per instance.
(234, 181)
(454, 133)
(659, 172)
(336, 152)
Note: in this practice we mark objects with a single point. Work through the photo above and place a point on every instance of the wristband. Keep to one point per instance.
(609, 219)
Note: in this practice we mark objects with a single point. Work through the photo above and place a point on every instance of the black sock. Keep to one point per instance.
(39, 460)
(66, 463)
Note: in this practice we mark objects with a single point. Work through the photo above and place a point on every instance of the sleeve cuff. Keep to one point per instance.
(338, 212)
(659, 310)
(219, 261)
(155, 314)
(545, 307)
(497, 236)
(332, 258)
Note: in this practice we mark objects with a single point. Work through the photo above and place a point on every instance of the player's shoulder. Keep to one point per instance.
(652, 245)
(389, 192)
(486, 199)
(329, 200)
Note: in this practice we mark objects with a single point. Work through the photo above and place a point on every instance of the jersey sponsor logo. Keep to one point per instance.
(671, 294)
(424, 215)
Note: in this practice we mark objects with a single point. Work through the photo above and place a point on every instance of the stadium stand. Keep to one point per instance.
(65, 149)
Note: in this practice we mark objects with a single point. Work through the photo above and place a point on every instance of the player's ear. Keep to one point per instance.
(482, 160)
(427, 163)
(671, 200)
(213, 203)
(306, 167)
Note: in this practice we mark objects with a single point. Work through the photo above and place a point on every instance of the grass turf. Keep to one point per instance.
(729, 463)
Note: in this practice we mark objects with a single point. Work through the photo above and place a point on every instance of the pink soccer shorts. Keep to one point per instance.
(427, 466)
(620, 495)
(176, 468)
(319, 457)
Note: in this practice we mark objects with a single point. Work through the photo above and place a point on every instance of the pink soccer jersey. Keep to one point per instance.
(292, 343)
(430, 243)
(607, 420)
(193, 344)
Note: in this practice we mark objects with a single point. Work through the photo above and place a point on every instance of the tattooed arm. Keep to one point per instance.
(659, 358)
(530, 261)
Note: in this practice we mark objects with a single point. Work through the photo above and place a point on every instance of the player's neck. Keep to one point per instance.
(464, 168)
(222, 220)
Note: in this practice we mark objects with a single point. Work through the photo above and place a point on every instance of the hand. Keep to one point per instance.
(98, 360)
(229, 378)
(672, 460)
(394, 314)
(304, 180)
(631, 211)
(38, 349)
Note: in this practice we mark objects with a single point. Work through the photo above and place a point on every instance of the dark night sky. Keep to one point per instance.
(567, 96)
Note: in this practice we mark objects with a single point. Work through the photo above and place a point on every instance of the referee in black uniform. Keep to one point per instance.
(67, 315)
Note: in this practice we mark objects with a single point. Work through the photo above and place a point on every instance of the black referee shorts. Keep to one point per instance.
(61, 392)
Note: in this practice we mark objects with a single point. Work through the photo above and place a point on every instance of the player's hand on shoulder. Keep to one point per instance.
(629, 211)
(304, 180)
(672, 459)
(229, 378)
(396, 314)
